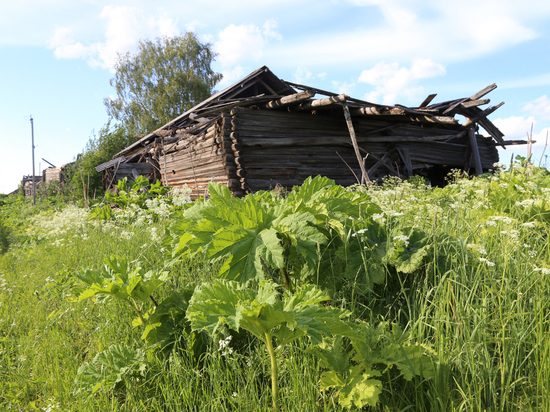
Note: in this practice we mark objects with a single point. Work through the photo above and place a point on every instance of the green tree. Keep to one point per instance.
(163, 79)
(98, 150)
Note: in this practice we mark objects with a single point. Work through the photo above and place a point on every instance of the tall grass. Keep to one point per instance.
(480, 302)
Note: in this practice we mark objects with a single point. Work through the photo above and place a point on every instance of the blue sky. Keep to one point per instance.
(56, 59)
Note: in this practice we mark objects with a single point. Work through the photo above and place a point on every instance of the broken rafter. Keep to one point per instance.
(428, 100)
(482, 115)
(474, 103)
(483, 92)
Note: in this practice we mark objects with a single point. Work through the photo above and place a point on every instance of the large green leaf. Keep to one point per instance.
(262, 311)
(215, 304)
(408, 256)
(118, 279)
(110, 368)
(360, 389)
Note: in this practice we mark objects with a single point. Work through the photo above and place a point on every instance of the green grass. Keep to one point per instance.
(481, 302)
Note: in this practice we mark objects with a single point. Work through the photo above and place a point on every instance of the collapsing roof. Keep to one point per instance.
(263, 131)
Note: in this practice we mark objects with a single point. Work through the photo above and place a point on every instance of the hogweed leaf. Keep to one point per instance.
(408, 255)
(360, 389)
(332, 355)
(117, 364)
(116, 279)
(214, 304)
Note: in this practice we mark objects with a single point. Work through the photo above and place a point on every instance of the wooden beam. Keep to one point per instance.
(347, 116)
(428, 100)
(483, 92)
(406, 157)
(514, 142)
(482, 115)
(474, 103)
(319, 103)
(456, 104)
(288, 100)
(475, 150)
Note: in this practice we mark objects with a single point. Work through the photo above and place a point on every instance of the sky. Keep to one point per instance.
(57, 58)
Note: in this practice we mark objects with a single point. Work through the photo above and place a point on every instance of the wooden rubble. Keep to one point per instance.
(263, 131)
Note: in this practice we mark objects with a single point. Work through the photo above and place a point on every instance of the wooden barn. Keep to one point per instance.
(264, 131)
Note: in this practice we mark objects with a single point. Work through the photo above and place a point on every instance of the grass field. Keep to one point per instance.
(463, 270)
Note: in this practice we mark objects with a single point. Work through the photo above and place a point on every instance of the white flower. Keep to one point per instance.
(525, 203)
(504, 219)
(359, 232)
(402, 238)
(379, 218)
(529, 224)
(544, 271)
(487, 262)
(126, 235)
(478, 248)
(223, 346)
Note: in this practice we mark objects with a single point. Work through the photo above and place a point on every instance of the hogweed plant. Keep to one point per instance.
(281, 318)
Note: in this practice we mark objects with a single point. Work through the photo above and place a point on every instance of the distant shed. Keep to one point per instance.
(263, 131)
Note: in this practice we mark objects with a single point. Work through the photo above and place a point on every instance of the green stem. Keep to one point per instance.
(132, 303)
(274, 372)
(286, 279)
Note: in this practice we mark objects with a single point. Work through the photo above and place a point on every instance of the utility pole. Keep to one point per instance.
(33, 179)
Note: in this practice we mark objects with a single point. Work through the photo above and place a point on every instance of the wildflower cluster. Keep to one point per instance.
(224, 347)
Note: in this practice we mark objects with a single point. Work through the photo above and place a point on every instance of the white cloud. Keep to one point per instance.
(244, 42)
(391, 81)
(515, 127)
(539, 107)
(124, 27)
(64, 45)
(411, 28)
(343, 87)
(302, 75)
(231, 76)
(193, 25)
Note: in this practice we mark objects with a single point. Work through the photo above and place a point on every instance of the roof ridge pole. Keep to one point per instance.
(347, 115)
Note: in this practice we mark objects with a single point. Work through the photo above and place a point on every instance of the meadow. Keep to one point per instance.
(399, 297)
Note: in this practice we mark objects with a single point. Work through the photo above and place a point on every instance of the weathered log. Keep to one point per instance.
(288, 100)
(319, 103)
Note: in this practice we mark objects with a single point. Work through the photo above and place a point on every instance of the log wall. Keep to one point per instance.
(276, 147)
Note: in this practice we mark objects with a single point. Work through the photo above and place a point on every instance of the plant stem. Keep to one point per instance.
(286, 279)
(274, 372)
(133, 304)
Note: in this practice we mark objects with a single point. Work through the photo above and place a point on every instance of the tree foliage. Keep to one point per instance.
(163, 79)
(98, 150)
